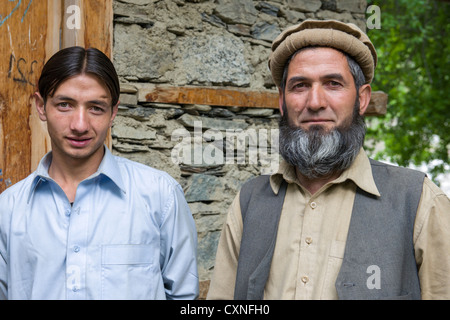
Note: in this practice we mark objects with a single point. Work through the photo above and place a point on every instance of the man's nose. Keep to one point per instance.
(80, 121)
(316, 98)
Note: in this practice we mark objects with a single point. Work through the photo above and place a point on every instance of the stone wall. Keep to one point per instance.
(210, 150)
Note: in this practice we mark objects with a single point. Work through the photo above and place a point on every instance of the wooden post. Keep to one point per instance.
(23, 28)
(40, 140)
(73, 23)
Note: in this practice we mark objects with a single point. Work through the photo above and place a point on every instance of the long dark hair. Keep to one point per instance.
(74, 61)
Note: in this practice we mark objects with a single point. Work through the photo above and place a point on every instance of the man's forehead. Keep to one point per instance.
(319, 59)
(81, 85)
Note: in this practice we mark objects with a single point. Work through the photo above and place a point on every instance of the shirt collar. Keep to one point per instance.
(41, 173)
(360, 172)
(108, 167)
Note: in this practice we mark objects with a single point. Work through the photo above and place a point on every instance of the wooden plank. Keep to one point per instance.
(99, 27)
(214, 96)
(40, 140)
(378, 104)
(53, 36)
(73, 23)
(23, 26)
(227, 97)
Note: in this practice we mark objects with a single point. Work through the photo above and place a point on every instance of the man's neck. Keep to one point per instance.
(69, 172)
(313, 185)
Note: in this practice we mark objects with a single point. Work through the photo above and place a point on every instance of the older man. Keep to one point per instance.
(332, 223)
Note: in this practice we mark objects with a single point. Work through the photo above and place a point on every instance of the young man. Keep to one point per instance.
(87, 224)
(331, 223)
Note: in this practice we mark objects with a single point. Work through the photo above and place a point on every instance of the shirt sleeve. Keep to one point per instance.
(3, 277)
(179, 249)
(431, 242)
(225, 267)
(4, 226)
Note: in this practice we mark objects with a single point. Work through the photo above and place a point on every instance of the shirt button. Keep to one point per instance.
(68, 212)
(313, 205)
(308, 240)
(76, 249)
(305, 279)
(74, 289)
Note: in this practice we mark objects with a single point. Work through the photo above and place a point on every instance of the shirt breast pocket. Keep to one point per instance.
(335, 258)
(129, 272)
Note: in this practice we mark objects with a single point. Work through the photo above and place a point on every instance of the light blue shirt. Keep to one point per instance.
(129, 235)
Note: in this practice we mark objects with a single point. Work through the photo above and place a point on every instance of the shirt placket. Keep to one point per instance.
(308, 250)
(76, 253)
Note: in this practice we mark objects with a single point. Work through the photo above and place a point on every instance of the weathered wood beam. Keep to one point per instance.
(214, 96)
(228, 97)
(378, 104)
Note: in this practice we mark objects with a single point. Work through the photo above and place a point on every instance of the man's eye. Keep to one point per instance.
(63, 105)
(97, 109)
(299, 85)
(334, 83)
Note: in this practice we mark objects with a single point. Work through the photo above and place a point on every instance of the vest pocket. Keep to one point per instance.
(128, 272)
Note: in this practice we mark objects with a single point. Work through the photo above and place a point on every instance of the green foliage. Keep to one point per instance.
(414, 70)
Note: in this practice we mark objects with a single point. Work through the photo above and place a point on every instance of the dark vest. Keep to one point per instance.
(379, 240)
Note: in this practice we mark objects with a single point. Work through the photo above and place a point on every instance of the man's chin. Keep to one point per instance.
(82, 153)
(318, 128)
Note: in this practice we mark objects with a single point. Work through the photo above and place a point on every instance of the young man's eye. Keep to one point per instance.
(96, 109)
(63, 105)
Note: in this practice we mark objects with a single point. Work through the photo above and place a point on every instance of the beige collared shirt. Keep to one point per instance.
(312, 233)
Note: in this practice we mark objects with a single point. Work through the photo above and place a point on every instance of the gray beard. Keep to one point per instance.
(317, 153)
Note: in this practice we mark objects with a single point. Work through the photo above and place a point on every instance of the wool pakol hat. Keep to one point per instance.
(346, 37)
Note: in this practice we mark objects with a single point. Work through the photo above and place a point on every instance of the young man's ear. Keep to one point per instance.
(40, 106)
(115, 109)
(365, 91)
